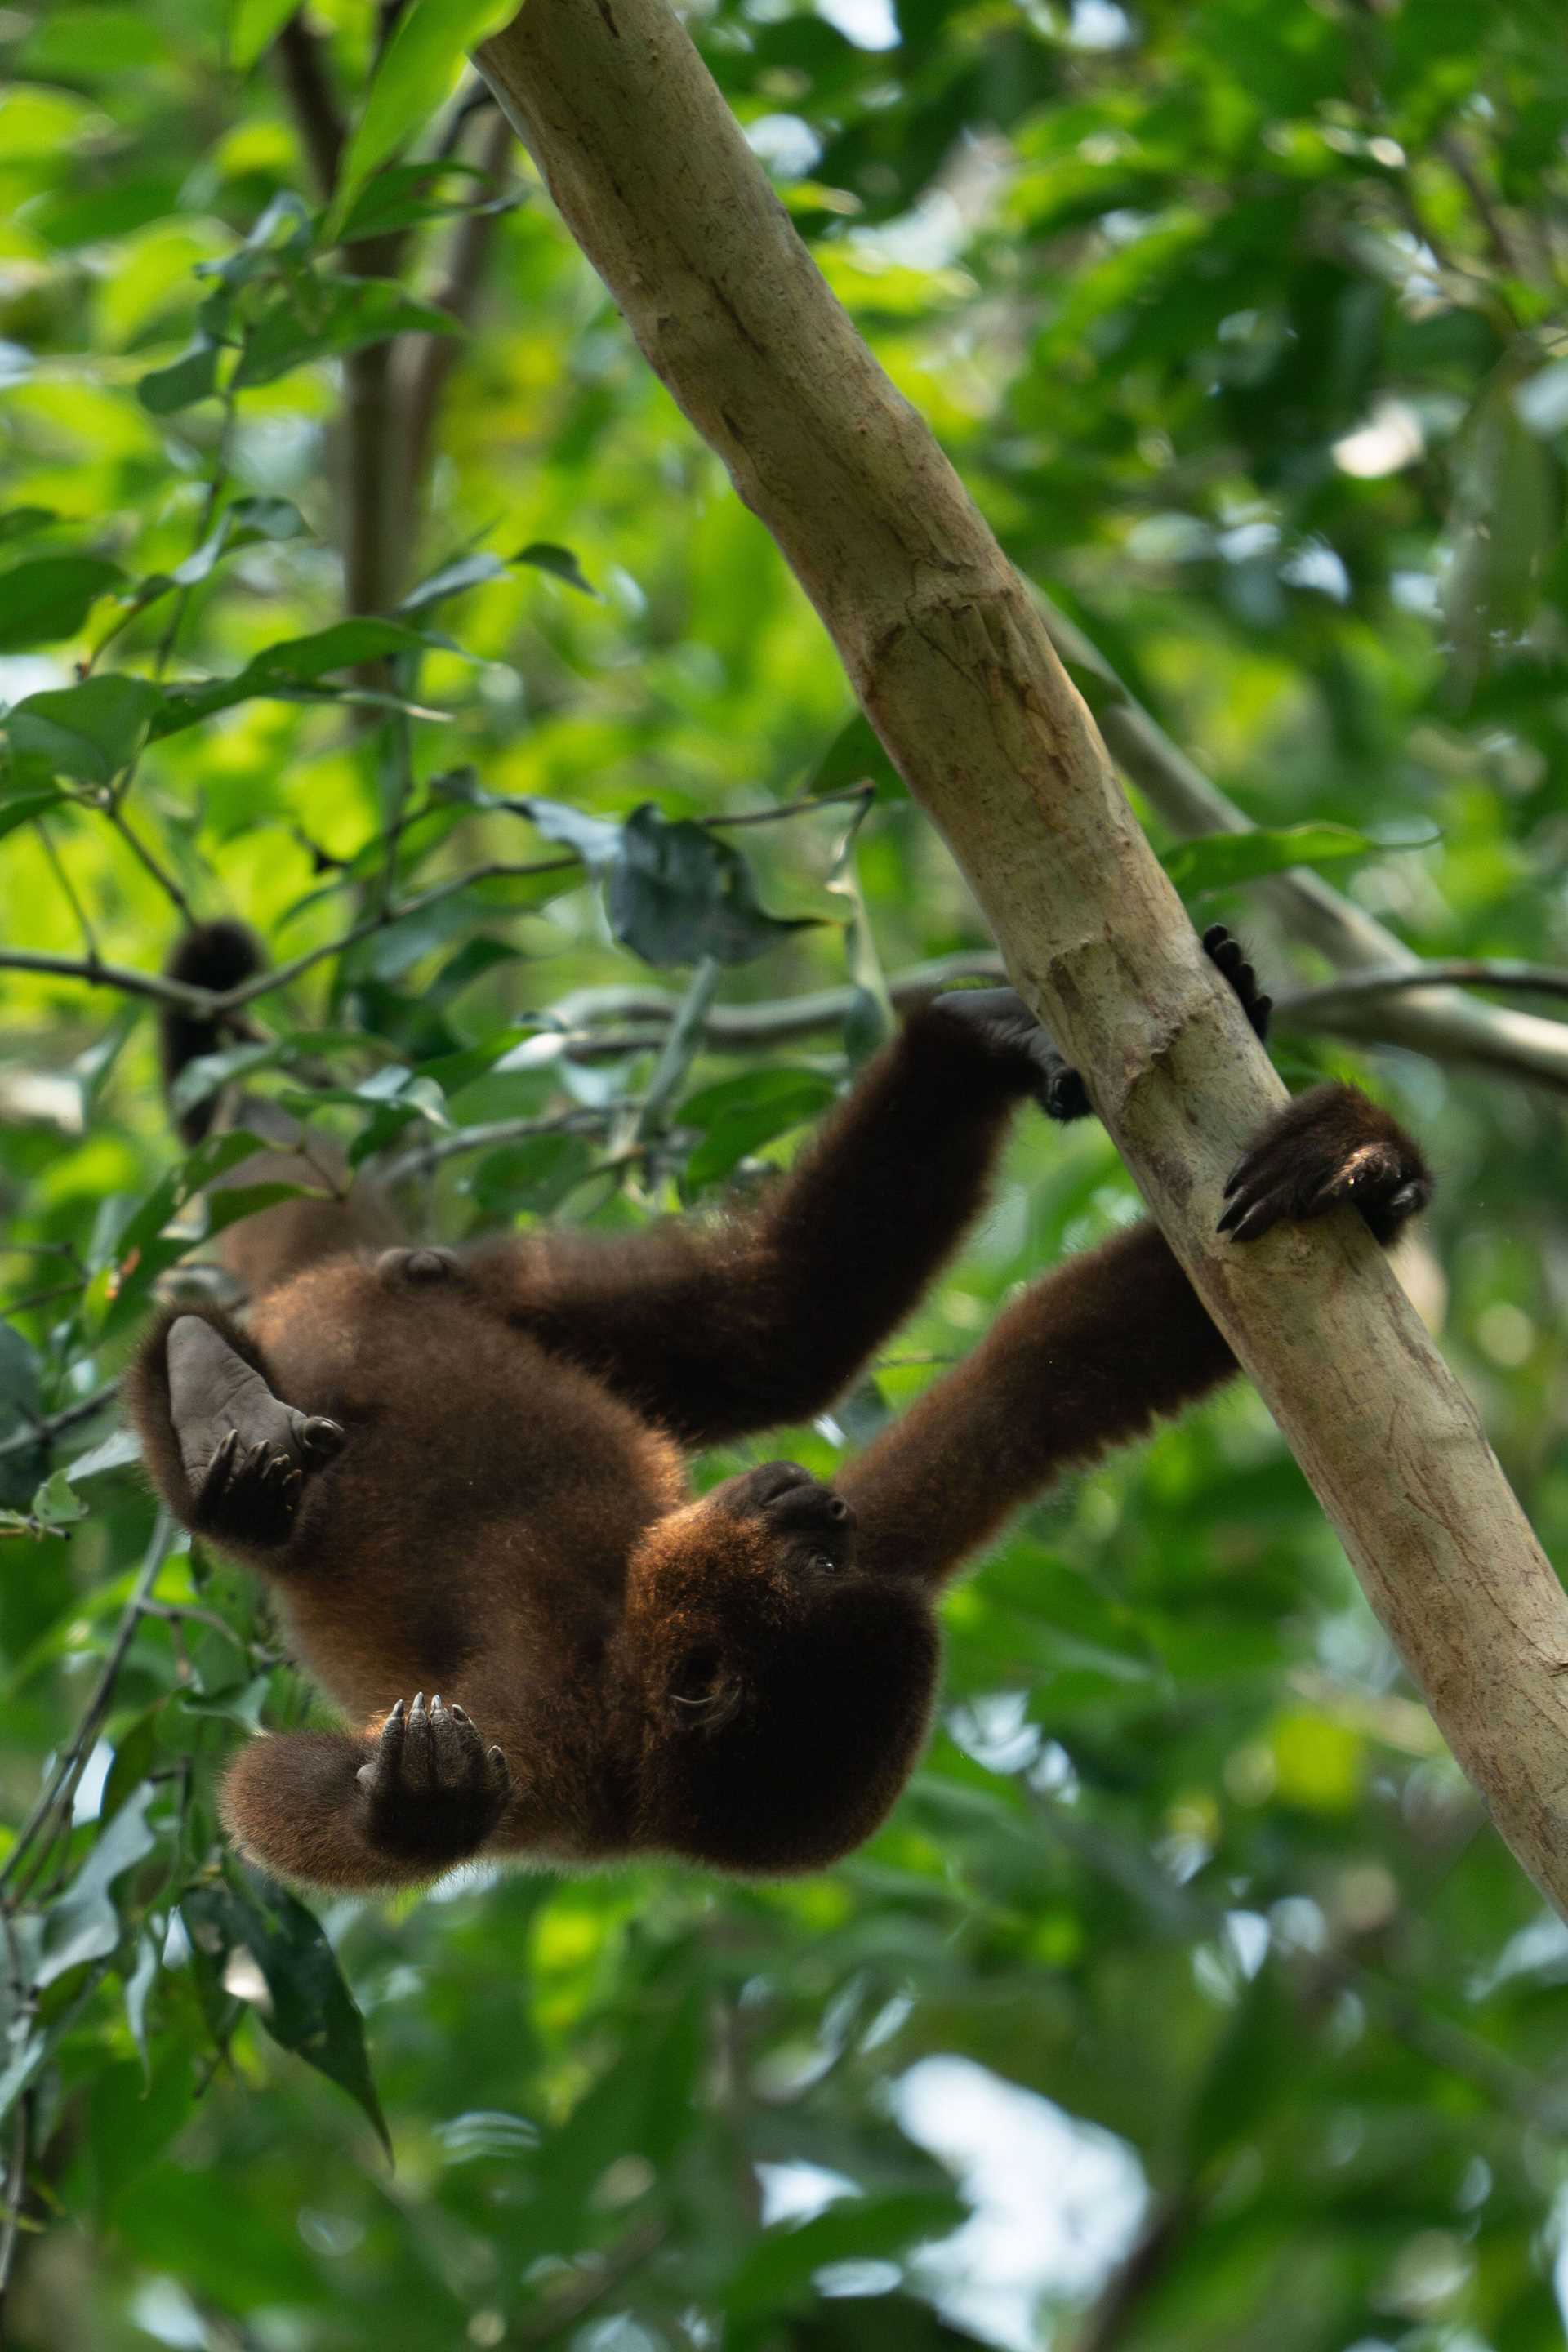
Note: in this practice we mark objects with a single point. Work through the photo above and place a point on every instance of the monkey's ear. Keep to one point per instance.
(703, 1692)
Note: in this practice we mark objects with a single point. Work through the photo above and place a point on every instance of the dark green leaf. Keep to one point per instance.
(88, 732)
(83, 1923)
(342, 315)
(309, 2010)
(677, 895)
(51, 597)
(546, 557)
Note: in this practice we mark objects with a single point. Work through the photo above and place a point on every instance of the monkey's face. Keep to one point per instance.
(784, 1697)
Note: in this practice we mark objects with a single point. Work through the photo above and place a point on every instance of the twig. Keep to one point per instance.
(433, 357)
(439, 1148)
(302, 69)
(43, 1433)
(1144, 2266)
(680, 1046)
(1307, 1004)
(573, 2301)
(165, 881)
(68, 886)
(15, 2198)
(67, 1768)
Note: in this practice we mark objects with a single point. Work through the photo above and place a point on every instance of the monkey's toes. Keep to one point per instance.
(432, 1786)
(1229, 960)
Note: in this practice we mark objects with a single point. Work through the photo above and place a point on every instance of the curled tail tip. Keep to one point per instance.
(215, 955)
(219, 955)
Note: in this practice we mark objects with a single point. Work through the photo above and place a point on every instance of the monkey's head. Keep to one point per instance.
(782, 1696)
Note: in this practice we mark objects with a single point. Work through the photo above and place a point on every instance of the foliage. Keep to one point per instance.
(1245, 324)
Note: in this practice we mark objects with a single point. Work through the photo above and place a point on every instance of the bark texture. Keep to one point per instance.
(947, 650)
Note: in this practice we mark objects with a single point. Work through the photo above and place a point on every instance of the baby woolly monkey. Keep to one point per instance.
(466, 1473)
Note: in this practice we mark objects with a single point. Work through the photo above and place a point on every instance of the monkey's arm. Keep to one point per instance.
(765, 1318)
(395, 1809)
(1094, 1353)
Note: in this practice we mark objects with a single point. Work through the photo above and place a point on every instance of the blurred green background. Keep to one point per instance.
(1187, 2000)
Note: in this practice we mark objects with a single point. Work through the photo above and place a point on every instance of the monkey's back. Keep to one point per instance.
(486, 1501)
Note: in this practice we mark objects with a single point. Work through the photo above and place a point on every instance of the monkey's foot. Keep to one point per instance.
(1328, 1147)
(1005, 1022)
(246, 1454)
(433, 1791)
(417, 1269)
(816, 1526)
(1228, 958)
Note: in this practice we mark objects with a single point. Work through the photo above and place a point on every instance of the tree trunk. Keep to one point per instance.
(946, 649)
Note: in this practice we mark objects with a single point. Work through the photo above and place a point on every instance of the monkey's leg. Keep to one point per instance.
(229, 1458)
(1094, 1353)
(395, 1809)
(718, 1330)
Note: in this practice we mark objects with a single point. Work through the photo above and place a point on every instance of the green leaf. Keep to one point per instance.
(88, 732)
(253, 27)
(296, 662)
(309, 2010)
(84, 1924)
(19, 807)
(57, 1504)
(401, 197)
(341, 314)
(412, 80)
(1257, 2058)
(677, 894)
(775, 2277)
(1218, 861)
(545, 556)
(164, 391)
(464, 572)
(742, 1113)
(535, 1175)
(51, 597)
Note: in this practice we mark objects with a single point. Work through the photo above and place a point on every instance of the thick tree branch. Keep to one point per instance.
(945, 647)
(1436, 1021)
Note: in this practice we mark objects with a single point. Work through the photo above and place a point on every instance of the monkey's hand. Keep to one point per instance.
(1010, 1029)
(246, 1454)
(814, 1527)
(432, 1791)
(1328, 1147)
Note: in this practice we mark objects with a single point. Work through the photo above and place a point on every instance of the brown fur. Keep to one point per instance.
(745, 1680)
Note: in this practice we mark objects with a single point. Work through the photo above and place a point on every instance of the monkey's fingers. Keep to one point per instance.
(1229, 960)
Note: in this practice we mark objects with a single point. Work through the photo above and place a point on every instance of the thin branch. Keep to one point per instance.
(165, 881)
(15, 2198)
(43, 1432)
(1443, 1023)
(586, 2289)
(1141, 2269)
(1307, 1005)
(56, 1794)
(302, 70)
(432, 358)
